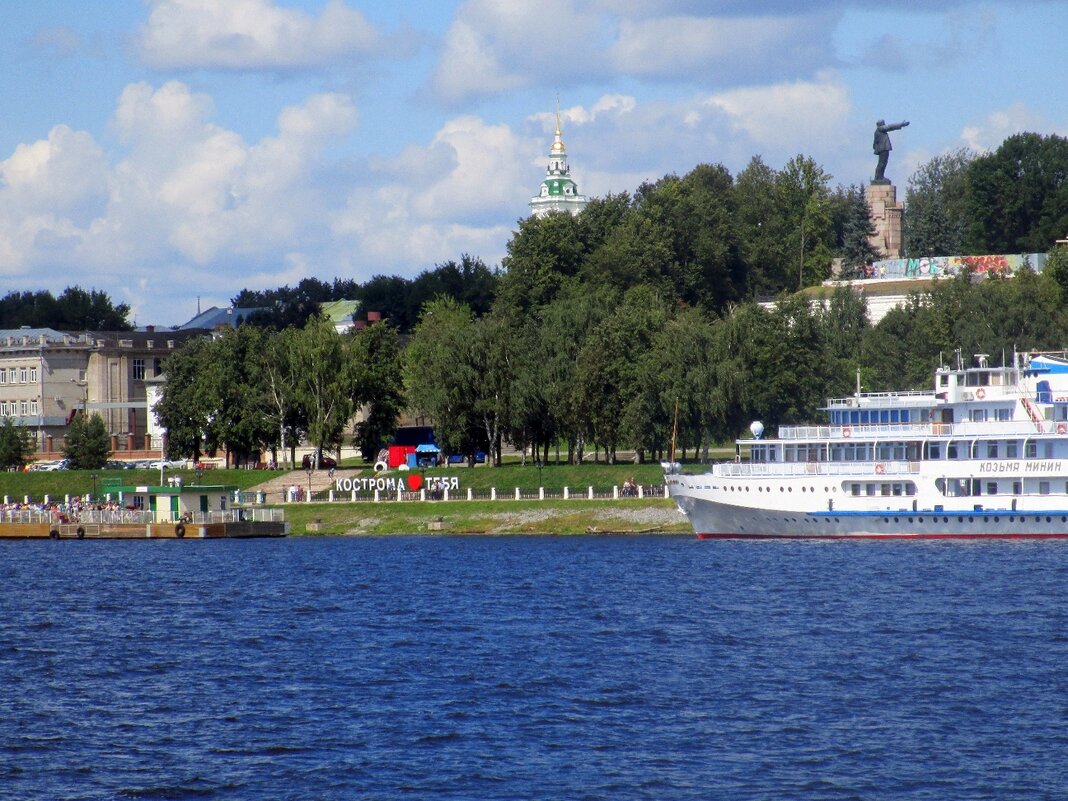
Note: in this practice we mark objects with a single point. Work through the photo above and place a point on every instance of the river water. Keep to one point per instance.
(533, 668)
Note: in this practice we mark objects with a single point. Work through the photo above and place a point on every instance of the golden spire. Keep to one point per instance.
(558, 143)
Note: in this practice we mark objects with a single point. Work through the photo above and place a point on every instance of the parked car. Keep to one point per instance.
(325, 462)
(169, 464)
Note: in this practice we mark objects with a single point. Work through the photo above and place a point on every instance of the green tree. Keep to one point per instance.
(858, 229)
(1017, 196)
(379, 382)
(88, 442)
(16, 445)
(937, 216)
(282, 407)
(439, 375)
(325, 385)
(805, 202)
(74, 310)
(761, 229)
(186, 405)
(542, 256)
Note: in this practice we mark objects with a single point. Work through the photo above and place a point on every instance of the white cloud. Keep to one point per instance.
(672, 47)
(494, 47)
(999, 125)
(423, 215)
(251, 34)
(781, 115)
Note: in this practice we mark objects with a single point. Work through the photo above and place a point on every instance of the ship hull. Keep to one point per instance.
(716, 520)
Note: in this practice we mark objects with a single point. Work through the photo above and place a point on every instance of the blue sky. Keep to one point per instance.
(165, 150)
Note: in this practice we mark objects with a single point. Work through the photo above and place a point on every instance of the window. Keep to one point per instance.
(157, 367)
(33, 375)
(3, 376)
(1017, 488)
(1011, 449)
(139, 369)
(1043, 488)
(991, 450)
(3, 408)
(22, 408)
(33, 407)
(1031, 451)
(22, 375)
(11, 376)
(1004, 415)
(992, 488)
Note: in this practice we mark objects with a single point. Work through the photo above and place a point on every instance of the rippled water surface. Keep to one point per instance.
(533, 668)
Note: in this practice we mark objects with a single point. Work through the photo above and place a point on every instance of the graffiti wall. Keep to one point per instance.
(931, 266)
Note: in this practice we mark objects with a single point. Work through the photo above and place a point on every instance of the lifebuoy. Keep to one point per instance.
(53, 534)
(179, 530)
(1061, 428)
(980, 393)
(81, 532)
(381, 467)
(880, 469)
(847, 431)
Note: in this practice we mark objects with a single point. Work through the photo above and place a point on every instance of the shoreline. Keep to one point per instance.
(501, 517)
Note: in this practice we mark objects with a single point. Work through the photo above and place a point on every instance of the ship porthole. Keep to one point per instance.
(919, 520)
(997, 519)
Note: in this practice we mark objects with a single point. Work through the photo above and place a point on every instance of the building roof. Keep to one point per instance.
(215, 317)
(339, 311)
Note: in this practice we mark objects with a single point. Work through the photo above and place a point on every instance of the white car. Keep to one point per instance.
(169, 464)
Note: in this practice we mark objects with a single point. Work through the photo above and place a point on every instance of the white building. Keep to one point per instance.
(558, 191)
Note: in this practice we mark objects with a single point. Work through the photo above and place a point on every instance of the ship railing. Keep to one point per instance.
(851, 431)
(851, 401)
(781, 469)
(968, 429)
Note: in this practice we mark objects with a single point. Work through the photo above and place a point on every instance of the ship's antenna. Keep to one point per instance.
(674, 432)
(858, 382)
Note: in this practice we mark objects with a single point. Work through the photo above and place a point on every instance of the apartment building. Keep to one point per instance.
(48, 376)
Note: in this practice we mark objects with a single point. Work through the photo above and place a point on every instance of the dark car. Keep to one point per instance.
(325, 462)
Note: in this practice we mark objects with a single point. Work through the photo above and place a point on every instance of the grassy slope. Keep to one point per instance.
(491, 517)
(80, 482)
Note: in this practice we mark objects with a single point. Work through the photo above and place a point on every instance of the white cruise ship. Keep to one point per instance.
(984, 454)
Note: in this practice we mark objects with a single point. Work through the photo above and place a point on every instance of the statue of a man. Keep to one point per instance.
(882, 147)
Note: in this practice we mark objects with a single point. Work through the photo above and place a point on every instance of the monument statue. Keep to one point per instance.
(882, 147)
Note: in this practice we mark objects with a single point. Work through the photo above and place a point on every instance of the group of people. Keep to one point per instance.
(58, 511)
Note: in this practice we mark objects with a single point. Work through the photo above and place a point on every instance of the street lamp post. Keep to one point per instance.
(311, 472)
(93, 476)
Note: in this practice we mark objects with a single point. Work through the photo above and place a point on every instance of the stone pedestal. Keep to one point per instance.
(888, 216)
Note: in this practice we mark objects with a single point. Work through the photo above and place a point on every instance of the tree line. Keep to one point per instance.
(635, 322)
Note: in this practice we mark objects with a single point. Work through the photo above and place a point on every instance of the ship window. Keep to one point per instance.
(951, 451)
(992, 488)
(943, 380)
(884, 416)
(977, 415)
(934, 452)
(910, 488)
(1004, 415)
(1047, 449)
(1017, 488)
(1043, 488)
(991, 450)
(854, 489)
(897, 489)
(1011, 449)
(1031, 450)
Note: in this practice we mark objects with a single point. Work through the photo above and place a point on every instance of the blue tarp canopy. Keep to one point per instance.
(427, 449)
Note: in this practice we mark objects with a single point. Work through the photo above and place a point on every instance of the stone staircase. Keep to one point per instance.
(276, 487)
